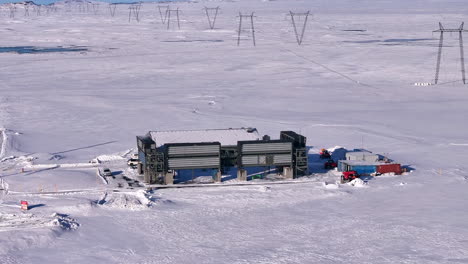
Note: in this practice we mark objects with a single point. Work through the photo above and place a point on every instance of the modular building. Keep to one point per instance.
(362, 155)
(161, 153)
(367, 168)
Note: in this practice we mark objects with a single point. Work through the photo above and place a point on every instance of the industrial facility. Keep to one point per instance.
(162, 153)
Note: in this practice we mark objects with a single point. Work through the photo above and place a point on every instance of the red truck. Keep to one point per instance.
(348, 176)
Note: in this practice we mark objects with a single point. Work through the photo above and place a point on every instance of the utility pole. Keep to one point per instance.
(460, 31)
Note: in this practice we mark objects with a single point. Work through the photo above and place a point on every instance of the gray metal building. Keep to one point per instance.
(161, 153)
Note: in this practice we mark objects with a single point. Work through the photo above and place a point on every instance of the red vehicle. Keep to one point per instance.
(324, 154)
(330, 164)
(348, 176)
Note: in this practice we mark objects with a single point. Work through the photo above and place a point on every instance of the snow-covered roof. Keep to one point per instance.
(366, 163)
(227, 137)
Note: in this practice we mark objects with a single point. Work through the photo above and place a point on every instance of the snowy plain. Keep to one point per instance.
(351, 83)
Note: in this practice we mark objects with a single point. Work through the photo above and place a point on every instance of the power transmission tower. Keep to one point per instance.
(81, 8)
(252, 28)
(112, 9)
(169, 12)
(26, 10)
(38, 10)
(95, 8)
(460, 31)
(160, 9)
(50, 8)
(299, 37)
(12, 9)
(134, 9)
(212, 20)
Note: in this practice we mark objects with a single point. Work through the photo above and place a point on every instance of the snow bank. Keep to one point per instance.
(138, 200)
(357, 183)
(102, 177)
(331, 185)
(109, 158)
(64, 222)
(264, 189)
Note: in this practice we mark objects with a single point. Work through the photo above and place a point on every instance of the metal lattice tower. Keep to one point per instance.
(134, 10)
(168, 15)
(112, 8)
(160, 9)
(299, 37)
(26, 10)
(37, 9)
(95, 8)
(211, 19)
(251, 17)
(12, 9)
(460, 31)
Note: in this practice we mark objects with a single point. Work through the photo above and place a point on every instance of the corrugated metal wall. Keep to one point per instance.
(193, 163)
(193, 156)
(362, 156)
(267, 147)
(194, 150)
(387, 168)
(259, 160)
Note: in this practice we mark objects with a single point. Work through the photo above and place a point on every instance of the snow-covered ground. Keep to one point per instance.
(351, 84)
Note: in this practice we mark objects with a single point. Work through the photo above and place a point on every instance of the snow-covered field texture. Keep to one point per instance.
(77, 86)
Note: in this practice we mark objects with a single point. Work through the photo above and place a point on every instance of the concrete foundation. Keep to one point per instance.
(217, 177)
(288, 173)
(241, 175)
(140, 168)
(169, 178)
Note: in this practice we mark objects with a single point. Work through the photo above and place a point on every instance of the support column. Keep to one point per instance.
(169, 178)
(140, 168)
(241, 175)
(462, 57)
(288, 172)
(217, 177)
(439, 56)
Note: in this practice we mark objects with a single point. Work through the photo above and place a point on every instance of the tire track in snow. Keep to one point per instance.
(330, 69)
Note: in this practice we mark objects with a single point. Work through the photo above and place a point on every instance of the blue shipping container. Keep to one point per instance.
(363, 169)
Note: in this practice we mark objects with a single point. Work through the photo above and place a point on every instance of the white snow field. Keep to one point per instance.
(64, 116)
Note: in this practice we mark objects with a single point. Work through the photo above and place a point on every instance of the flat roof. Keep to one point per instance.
(366, 163)
(227, 137)
(360, 153)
